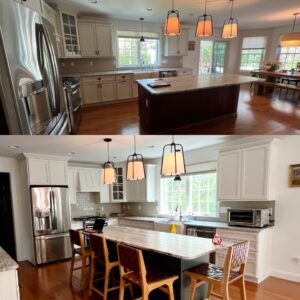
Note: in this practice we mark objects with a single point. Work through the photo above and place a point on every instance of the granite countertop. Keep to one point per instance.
(213, 224)
(6, 262)
(176, 245)
(120, 72)
(193, 83)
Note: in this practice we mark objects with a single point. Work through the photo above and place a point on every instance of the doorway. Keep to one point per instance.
(212, 57)
(7, 236)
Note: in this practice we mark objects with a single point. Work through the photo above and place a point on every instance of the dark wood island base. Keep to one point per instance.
(165, 113)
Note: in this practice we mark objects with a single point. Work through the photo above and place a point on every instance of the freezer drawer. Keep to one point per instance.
(51, 248)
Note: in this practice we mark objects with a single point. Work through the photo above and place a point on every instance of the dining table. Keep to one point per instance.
(167, 252)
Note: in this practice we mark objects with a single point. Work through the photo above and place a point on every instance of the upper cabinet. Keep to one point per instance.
(33, 4)
(118, 189)
(142, 190)
(43, 171)
(95, 39)
(177, 46)
(247, 173)
(70, 34)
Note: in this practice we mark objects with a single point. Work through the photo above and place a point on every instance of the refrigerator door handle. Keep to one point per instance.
(42, 32)
(52, 236)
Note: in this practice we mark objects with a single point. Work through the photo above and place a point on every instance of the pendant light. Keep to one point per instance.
(291, 39)
(204, 25)
(172, 25)
(173, 163)
(230, 28)
(142, 39)
(109, 171)
(135, 165)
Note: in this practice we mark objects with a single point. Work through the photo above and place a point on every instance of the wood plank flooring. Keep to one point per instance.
(51, 282)
(268, 114)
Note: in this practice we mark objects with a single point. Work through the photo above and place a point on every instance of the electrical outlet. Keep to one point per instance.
(296, 260)
(139, 207)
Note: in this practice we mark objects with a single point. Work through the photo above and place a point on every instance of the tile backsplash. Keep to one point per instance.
(140, 209)
(88, 204)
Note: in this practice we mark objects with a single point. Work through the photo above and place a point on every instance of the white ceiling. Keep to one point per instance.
(93, 149)
(250, 13)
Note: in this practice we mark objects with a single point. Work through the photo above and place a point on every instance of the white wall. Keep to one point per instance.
(286, 242)
(22, 231)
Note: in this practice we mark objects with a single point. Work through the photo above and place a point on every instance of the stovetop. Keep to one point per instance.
(85, 218)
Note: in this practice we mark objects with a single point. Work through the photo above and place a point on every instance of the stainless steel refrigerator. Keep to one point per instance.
(31, 93)
(51, 223)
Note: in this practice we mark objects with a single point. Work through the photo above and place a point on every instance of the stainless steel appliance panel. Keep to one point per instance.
(61, 209)
(51, 248)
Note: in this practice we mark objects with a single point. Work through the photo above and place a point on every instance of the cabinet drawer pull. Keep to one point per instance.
(99, 78)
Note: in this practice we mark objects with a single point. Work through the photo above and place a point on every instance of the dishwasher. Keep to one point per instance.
(204, 232)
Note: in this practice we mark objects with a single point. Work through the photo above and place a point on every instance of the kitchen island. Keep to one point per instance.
(188, 101)
(169, 252)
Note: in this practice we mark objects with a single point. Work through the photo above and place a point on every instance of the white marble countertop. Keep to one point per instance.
(176, 245)
(6, 262)
(120, 72)
(193, 83)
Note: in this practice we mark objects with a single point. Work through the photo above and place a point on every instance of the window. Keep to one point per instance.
(196, 193)
(133, 53)
(289, 57)
(253, 51)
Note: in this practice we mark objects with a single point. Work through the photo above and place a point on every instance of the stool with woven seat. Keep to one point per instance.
(102, 257)
(78, 248)
(232, 272)
(133, 270)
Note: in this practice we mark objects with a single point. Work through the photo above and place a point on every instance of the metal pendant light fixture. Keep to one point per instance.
(230, 28)
(291, 39)
(109, 172)
(142, 39)
(172, 25)
(135, 165)
(205, 25)
(173, 163)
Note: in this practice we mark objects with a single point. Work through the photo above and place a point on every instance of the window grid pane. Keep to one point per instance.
(289, 57)
(251, 59)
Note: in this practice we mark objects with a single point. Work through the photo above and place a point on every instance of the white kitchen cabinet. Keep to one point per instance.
(142, 190)
(9, 285)
(229, 175)
(248, 173)
(124, 89)
(107, 91)
(95, 39)
(47, 172)
(73, 184)
(91, 92)
(69, 31)
(177, 46)
(33, 4)
(258, 265)
(118, 189)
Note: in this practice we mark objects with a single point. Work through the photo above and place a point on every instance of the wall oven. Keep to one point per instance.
(248, 217)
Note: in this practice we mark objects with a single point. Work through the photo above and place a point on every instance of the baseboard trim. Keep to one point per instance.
(285, 275)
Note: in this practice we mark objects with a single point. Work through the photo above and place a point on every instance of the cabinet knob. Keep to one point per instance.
(99, 78)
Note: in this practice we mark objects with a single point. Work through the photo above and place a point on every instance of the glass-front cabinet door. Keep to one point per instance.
(70, 34)
(118, 192)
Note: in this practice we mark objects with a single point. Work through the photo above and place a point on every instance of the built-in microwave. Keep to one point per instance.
(248, 217)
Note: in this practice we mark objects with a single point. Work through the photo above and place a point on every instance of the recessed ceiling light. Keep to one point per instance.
(149, 9)
(14, 147)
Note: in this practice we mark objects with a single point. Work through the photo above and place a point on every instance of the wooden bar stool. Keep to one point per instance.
(100, 255)
(78, 248)
(133, 270)
(232, 272)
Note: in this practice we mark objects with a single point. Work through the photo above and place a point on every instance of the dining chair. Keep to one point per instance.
(133, 270)
(233, 271)
(78, 248)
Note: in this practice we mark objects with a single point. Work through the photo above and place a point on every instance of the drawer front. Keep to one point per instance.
(99, 78)
(238, 235)
(124, 76)
(137, 224)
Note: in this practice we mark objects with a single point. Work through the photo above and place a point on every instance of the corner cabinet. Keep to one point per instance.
(177, 45)
(70, 34)
(248, 173)
(95, 39)
(142, 190)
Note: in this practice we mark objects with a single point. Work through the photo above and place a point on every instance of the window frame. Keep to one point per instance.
(139, 62)
(287, 54)
(189, 195)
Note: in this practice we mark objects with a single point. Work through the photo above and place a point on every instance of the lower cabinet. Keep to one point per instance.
(137, 224)
(123, 89)
(258, 265)
(9, 285)
(107, 91)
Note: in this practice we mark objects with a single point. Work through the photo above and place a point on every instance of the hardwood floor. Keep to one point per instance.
(269, 114)
(51, 282)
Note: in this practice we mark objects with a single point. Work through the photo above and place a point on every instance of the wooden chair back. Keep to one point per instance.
(98, 247)
(77, 239)
(236, 258)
